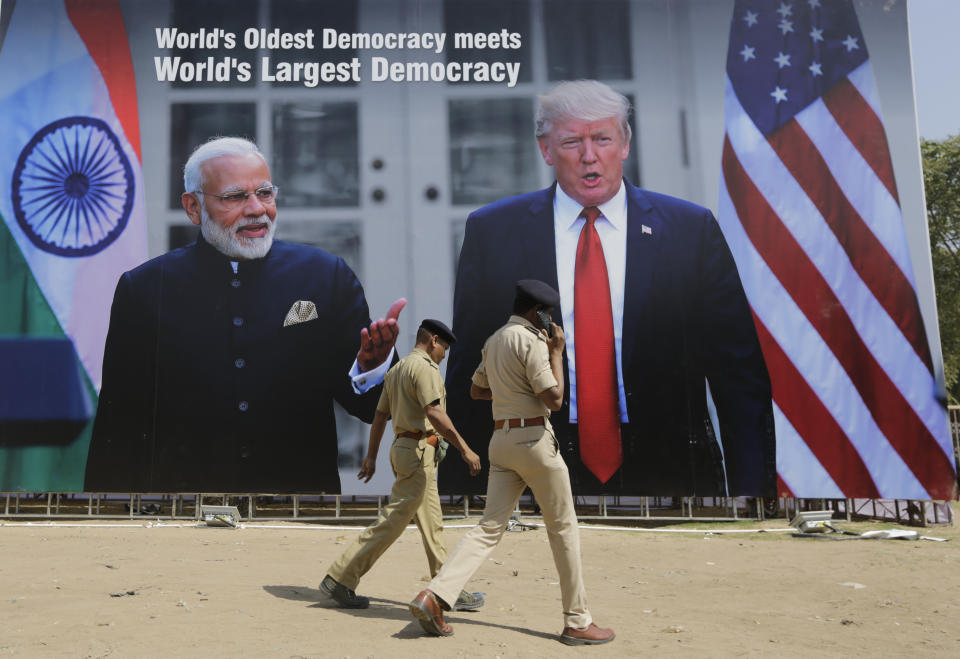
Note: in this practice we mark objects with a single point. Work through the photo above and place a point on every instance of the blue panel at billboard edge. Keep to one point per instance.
(42, 395)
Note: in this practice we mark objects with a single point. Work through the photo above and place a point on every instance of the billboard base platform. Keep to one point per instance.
(359, 509)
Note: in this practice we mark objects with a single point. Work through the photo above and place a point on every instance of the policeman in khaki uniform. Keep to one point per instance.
(415, 398)
(521, 371)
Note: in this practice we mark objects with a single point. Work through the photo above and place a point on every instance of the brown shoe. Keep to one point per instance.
(426, 609)
(592, 635)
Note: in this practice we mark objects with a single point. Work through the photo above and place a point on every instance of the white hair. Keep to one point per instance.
(586, 100)
(214, 148)
(232, 244)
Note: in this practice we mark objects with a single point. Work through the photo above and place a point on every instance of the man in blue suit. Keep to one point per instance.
(223, 358)
(652, 307)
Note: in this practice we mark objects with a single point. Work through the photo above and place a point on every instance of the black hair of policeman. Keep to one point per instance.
(531, 292)
(434, 326)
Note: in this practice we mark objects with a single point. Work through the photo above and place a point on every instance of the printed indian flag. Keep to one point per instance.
(71, 203)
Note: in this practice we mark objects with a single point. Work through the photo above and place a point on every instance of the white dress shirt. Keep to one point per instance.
(612, 229)
(364, 382)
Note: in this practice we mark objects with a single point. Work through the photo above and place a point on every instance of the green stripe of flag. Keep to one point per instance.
(24, 312)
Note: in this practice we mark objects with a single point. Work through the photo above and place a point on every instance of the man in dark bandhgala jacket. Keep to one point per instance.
(223, 358)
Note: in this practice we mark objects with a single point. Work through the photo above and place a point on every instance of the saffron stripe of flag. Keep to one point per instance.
(93, 19)
(809, 206)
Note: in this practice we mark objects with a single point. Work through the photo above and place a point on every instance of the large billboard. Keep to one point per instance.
(776, 335)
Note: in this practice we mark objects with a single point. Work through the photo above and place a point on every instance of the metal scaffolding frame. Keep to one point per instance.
(364, 509)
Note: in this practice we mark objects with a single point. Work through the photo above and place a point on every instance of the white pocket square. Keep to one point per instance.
(300, 312)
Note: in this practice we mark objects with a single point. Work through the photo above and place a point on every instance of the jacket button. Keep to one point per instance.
(243, 406)
(235, 283)
(240, 362)
(238, 321)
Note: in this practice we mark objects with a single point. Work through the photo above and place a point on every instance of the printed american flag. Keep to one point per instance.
(809, 206)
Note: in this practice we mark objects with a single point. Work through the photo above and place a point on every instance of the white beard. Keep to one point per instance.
(234, 245)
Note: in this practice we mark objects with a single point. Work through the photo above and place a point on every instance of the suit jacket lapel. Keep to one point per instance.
(645, 229)
(539, 254)
(538, 245)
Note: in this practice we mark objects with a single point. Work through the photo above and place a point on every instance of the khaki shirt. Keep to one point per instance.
(410, 385)
(516, 367)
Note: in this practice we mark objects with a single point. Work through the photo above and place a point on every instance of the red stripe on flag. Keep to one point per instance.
(782, 489)
(867, 254)
(896, 419)
(813, 422)
(864, 129)
(100, 25)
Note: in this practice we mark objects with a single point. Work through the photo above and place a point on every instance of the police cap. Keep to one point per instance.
(436, 327)
(538, 292)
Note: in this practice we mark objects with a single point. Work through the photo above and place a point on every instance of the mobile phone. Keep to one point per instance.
(546, 321)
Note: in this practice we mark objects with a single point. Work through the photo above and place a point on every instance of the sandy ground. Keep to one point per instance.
(135, 590)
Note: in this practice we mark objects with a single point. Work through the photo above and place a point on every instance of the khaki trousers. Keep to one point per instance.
(414, 495)
(520, 457)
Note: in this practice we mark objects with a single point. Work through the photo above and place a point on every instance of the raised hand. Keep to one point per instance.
(377, 341)
(557, 342)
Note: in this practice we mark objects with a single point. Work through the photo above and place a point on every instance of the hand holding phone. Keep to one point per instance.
(546, 321)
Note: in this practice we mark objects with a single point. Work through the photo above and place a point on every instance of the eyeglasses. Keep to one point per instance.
(265, 195)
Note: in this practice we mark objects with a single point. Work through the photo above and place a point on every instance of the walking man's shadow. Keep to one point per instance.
(386, 609)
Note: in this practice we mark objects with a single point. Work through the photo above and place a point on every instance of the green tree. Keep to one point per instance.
(941, 179)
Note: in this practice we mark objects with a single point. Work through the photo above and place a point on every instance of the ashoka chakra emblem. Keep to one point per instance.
(73, 187)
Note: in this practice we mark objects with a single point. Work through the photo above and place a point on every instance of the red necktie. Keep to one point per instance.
(598, 403)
